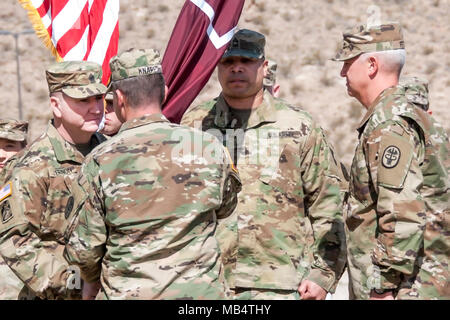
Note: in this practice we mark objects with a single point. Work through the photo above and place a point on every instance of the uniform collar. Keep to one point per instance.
(373, 107)
(64, 151)
(143, 120)
(265, 112)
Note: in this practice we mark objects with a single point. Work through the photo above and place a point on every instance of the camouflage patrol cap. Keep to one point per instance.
(109, 97)
(270, 78)
(14, 130)
(134, 63)
(77, 79)
(246, 43)
(361, 39)
(416, 91)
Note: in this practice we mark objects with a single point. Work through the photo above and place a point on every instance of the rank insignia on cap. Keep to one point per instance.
(391, 157)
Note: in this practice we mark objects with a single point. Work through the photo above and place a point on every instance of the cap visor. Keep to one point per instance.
(342, 56)
(82, 92)
(242, 53)
(12, 136)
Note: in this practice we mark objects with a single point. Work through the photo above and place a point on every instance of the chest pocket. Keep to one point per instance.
(59, 204)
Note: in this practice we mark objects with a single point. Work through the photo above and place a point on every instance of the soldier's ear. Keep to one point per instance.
(120, 98)
(55, 104)
(166, 90)
(372, 65)
(266, 68)
(119, 105)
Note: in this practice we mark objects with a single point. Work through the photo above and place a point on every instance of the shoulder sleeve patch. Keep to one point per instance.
(5, 208)
(395, 159)
(6, 191)
(8, 209)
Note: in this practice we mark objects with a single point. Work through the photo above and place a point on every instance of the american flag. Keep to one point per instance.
(77, 29)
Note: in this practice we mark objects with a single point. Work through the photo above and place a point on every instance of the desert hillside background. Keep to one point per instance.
(302, 35)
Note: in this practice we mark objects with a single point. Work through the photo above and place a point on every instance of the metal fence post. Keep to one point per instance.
(19, 79)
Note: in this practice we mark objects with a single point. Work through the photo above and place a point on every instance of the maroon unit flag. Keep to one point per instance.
(198, 40)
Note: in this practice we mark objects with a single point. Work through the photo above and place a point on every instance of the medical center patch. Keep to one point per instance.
(391, 157)
(397, 153)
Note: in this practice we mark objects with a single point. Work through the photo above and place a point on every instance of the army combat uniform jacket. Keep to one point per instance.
(147, 209)
(288, 224)
(397, 215)
(11, 287)
(35, 205)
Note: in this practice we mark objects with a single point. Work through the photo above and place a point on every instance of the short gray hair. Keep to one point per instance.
(391, 60)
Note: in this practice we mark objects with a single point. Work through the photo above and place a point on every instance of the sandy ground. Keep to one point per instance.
(301, 36)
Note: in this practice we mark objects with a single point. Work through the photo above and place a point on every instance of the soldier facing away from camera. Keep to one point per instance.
(38, 198)
(149, 199)
(397, 212)
(286, 235)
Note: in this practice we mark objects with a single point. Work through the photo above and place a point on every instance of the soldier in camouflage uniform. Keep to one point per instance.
(286, 236)
(13, 138)
(147, 207)
(397, 216)
(38, 199)
(270, 79)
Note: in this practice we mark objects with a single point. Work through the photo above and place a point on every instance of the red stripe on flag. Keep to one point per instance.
(74, 35)
(57, 6)
(43, 9)
(95, 22)
(111, 52)
(96, 17)
(190, 56)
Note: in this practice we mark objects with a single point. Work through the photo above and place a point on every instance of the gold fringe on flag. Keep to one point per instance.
(39, 27)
